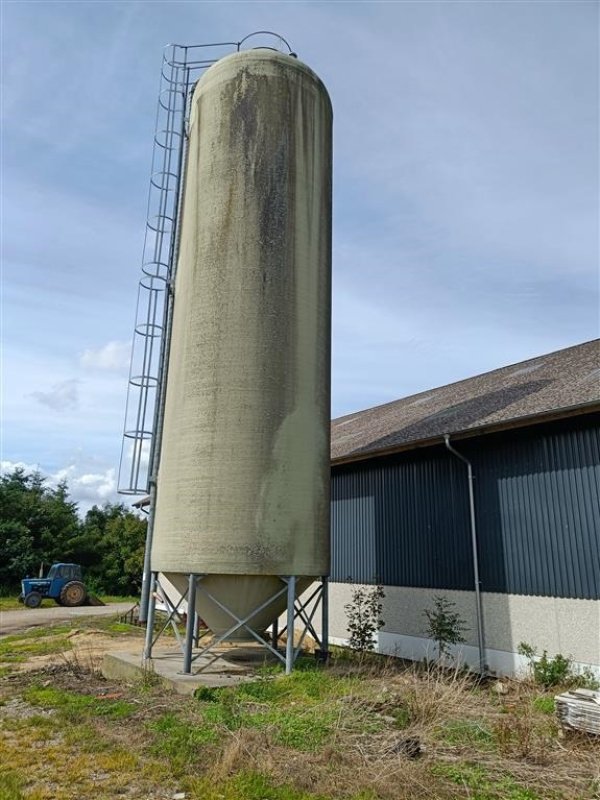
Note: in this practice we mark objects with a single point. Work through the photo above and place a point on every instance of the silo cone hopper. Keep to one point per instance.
(242, 496)
(241, 595)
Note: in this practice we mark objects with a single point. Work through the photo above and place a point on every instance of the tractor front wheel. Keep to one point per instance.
(73, 594)
(33, 600)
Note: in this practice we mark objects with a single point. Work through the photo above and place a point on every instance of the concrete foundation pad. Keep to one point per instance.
(231, 667)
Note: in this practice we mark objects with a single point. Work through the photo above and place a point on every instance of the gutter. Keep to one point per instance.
(475, 553)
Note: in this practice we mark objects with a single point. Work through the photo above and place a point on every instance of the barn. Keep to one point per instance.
(485, 492)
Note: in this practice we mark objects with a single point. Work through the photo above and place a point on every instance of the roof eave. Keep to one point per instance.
(482, 430)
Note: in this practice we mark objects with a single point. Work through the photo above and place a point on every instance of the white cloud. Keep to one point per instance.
(112, 356)
(63, 396)
(11, 466)
(88, 488)
(85, 488)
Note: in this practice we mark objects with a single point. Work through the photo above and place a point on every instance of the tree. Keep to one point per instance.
(364, 614)
(35, 524)
(115, 538)
(41, 524)
(444, 625)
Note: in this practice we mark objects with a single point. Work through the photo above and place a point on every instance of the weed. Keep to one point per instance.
(444, 625)
(544, 704)
(521, 735)
(148, 677)
(557, 671)
(207, 694)
(364, 617)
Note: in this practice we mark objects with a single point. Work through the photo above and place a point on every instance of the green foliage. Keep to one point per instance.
(444, 625)
(402, 718)
(556, 671)
(467, 732)
(249, 786)
(544, 704)
(295, 710)
(482, 786)
(40, 525)
(18, 651)
(74, 705)
(11, 784)
(180, 740)
(364, 617)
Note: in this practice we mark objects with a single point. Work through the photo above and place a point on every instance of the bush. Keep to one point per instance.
(556, 671)
(364, 617)
(444, 625)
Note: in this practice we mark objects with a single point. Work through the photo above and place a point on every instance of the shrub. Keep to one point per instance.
(556, 671)
(364, 617)
(444, 625)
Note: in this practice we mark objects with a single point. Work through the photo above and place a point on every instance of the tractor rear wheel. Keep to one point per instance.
(33, 600)
(73, 594)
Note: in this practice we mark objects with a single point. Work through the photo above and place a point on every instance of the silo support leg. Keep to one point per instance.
(289, 648)
(150, 618)
(189, 626)
(325, 619)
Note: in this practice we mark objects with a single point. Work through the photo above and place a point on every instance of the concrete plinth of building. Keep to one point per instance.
(231, 667)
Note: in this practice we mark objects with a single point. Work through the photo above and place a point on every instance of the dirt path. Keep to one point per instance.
(14, 621)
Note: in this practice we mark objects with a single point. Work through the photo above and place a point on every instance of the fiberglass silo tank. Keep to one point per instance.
(243, 484)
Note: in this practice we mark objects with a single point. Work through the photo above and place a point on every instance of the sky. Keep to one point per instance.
(466, 198)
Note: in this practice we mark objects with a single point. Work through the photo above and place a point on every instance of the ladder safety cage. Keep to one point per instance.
(182, 65)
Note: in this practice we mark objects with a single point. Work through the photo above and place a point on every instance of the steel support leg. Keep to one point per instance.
(196, 628)
(150, 617)
(325, 619)
(275, 634)
(289, 649)
(190, 626)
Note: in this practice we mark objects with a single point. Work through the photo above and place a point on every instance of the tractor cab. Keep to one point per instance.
(69, 572)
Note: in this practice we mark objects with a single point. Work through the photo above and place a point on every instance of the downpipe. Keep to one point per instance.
(475, 554)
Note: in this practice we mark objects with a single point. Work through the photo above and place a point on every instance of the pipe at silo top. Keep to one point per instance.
(243, 483)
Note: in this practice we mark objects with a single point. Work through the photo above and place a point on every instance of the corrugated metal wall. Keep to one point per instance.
(404, 520)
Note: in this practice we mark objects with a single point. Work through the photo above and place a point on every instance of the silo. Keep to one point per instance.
(243, 482)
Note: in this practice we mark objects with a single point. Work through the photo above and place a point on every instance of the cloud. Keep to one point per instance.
(112, 356)
(90, 487)
(85, 488)
(11, 466)
(63, 396)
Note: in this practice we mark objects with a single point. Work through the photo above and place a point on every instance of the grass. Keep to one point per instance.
(253, 786)
(12, 603)
(11, 784)
(19, 651)
(74, 705)
(322, 733)
(544, 704)
(482, 786)
(467, 733)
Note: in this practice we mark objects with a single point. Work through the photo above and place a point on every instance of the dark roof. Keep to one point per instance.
(566, 381)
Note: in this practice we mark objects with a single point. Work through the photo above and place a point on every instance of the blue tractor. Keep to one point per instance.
(63, 584)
